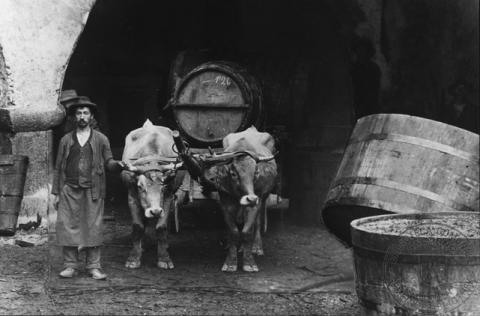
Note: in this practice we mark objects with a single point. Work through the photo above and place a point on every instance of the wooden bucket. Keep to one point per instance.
(215, 99)
(418, 264)
(13, 170)
(403, 164)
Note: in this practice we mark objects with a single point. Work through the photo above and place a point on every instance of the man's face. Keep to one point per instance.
(83, 116)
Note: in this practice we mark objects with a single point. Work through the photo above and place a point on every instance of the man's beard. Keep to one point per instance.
(82, 124)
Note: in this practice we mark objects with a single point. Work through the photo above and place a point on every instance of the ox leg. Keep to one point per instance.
(251, 214)
(257, 248)
(163, 261)
(138, 231)
(229, 214)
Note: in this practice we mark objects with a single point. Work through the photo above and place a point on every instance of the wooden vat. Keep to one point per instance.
(398, 163)
(418, 264)
(215, 99)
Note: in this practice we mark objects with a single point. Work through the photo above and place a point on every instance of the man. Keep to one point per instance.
(365, 79)
(67, 98)
(461, 111)
(79, 189)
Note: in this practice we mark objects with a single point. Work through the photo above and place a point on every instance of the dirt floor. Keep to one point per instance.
(304, 271)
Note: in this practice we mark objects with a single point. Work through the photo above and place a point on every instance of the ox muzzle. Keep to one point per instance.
(154, 212)
(249, 200)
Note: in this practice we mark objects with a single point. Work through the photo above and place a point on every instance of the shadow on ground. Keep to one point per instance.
(305, 270)
(296, 259)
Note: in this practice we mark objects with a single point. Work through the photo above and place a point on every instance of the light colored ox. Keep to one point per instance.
(243, 175)
(152, 181)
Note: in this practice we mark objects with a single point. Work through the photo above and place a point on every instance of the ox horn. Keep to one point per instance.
(131, 168)
(172, 166)
(266, 158)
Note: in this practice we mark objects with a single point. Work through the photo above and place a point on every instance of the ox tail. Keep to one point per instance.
(175, 211)
(265, 217)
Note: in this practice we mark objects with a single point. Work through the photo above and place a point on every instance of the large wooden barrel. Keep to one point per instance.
(418, 264)
(215, 99)
(398, 163)
(13, 171)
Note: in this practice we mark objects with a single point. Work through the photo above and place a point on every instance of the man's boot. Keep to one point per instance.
(68, 273)
(97, 274)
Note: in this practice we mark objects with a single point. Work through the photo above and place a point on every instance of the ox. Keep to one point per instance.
(243, 175)
(152, 181)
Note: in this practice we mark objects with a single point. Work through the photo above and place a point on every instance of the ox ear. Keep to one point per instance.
(128, 177)
(220, 174)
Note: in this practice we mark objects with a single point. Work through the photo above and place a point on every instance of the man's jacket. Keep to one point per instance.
(102, 158)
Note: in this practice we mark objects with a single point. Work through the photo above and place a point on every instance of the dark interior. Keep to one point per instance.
(299, 51)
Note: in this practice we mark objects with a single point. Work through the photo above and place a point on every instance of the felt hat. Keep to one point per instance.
(67, 97)
(81, 101)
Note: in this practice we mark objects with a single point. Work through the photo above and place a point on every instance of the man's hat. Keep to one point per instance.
(81, 101)
(70, 100)
(68, 95)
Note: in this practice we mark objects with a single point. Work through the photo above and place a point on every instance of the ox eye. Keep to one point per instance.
(233, 173)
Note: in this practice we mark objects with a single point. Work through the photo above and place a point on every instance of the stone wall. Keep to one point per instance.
(36, 42)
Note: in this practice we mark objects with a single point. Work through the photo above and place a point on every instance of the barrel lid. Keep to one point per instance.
(213, 100)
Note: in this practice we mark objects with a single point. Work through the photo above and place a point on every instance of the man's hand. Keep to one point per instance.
(122, 165)
(55, 201)
(127, 166)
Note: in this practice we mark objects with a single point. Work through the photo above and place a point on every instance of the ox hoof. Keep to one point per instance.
(165, 265)
(250, 268)
(132, 264)
(257, 251)
(229, 268)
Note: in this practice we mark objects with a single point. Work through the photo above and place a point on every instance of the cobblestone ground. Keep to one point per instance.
(304, 271)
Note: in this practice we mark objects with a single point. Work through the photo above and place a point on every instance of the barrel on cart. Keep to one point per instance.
(215, 99)
(13, 170)
(403, 164)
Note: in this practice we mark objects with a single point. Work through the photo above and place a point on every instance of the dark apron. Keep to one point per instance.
(80, 218)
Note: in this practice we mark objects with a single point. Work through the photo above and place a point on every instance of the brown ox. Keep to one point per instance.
(152, 183)
(244, 175)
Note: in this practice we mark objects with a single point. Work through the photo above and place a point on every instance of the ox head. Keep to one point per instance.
(240, 174)
(243, 172)
(154, 185)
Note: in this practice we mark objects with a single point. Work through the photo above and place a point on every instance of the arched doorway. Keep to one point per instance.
(128, 56)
